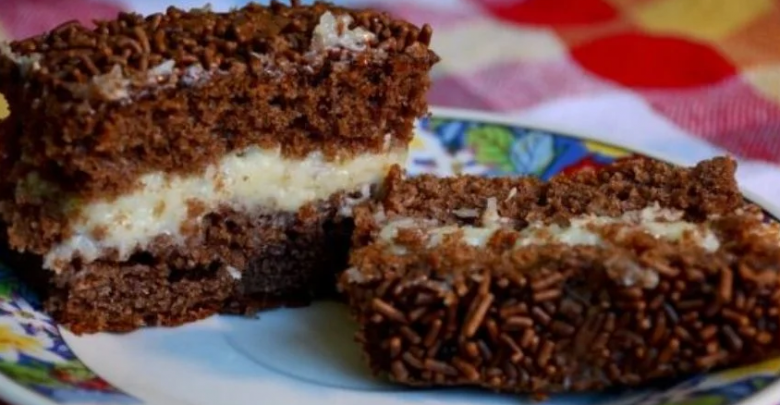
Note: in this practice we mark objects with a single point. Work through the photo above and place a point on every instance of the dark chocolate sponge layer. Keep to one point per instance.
(233, 263)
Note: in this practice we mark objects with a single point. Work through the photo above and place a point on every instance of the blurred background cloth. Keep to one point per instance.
(686, 79)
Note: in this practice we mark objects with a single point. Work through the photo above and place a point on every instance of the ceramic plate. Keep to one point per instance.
(306, 356)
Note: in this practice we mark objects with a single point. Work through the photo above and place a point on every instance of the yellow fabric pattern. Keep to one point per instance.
(766, 80)
(708, 20)
(4, 111)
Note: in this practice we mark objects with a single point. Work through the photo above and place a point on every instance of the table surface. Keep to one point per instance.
(684, 79)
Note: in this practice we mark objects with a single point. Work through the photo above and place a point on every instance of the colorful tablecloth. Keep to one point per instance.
(685, 79)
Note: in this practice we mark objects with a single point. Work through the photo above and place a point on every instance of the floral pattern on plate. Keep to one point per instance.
(453, 146)
(34, 355)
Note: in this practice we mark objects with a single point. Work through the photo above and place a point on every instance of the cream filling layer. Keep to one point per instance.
(659, 222)
(248, 180)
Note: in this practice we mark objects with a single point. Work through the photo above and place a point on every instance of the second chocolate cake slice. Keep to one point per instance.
(163, 168)
(620, 277)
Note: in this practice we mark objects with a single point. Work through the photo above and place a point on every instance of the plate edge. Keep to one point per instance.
(16, 394)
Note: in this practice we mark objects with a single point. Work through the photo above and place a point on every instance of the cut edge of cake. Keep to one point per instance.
(572, 292)
(170, 184)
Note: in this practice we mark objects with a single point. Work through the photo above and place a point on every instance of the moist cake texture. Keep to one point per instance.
(638, 272)
(165, 167)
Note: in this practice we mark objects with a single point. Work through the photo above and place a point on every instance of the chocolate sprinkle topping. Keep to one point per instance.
(553, 317)
(94, 109)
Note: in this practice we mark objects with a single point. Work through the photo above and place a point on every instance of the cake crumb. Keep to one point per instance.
(466, 213)
(351, 200)
(194, 75)
(234, 273)
(112, 86)
(25, 63)
(195, 208)
(631, 274)
(99, 232)
(161, 71)
(159, 209)
(490, 216)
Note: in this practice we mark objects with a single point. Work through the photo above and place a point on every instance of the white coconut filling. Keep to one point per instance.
(660, 222)
(333, 32)
(24, 63)
(247, 181)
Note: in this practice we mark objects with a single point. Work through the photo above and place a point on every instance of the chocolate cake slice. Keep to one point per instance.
(638, 272)
(164, 168)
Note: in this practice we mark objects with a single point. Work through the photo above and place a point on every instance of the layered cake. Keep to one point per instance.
(638, 272)
(160, 169)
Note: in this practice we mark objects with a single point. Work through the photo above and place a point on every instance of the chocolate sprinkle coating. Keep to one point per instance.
(93, 109)
(556, 318)
(74, 53)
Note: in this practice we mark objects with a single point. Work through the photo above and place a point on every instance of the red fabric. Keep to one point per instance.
(649, 61)
(23, 18)
(554, 13)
